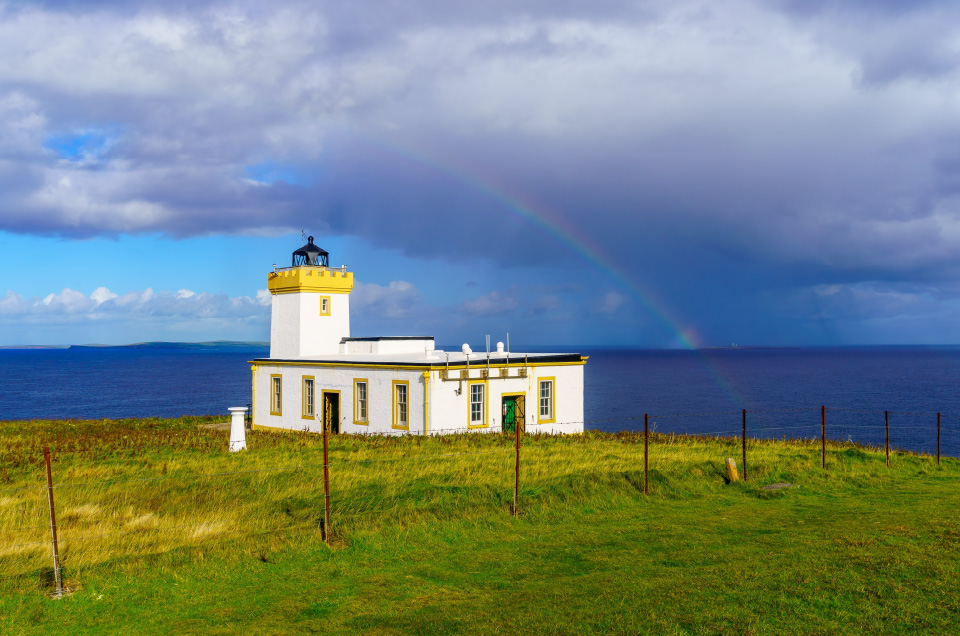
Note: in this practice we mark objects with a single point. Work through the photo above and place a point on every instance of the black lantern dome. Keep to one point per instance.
(310, 254)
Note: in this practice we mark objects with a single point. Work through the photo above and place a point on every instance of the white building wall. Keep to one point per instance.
(449, 411)
(284, 326)
(388, 346)
(568, 399)
(297, 329)
(379, 398)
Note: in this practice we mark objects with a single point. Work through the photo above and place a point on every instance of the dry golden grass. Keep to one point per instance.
(131, 489)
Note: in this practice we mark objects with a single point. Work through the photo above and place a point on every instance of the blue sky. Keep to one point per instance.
(659, 174)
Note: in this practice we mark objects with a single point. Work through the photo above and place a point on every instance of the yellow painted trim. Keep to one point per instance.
(275, 429)
(393, 401)
(553, 400)
(303, 397)
(356, 403)
(329, 305)
(553, 364)
(407, 367)
(253, 396)
(323, 394)
(309, 279)
(486, 401)
(426, 400)
(523, 394)
(279, 410)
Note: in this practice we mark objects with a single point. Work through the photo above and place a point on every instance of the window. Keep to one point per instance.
(308, 398)
(545, 411)
(401, 391)
(276, 388)
(360, 401)
(324, 305)
(478, 405)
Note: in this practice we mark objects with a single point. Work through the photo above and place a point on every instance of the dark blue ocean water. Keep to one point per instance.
(683, 391)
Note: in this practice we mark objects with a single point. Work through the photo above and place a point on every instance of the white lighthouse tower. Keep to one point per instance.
(311, 305)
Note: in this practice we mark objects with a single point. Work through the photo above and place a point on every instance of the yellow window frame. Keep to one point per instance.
(356, 402)
(394, 417)
(486, 400)
(552, 418)
(276, 403)
(327, 312)
(304, 412)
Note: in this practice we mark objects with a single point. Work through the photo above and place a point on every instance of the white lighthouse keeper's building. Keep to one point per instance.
(318, 376)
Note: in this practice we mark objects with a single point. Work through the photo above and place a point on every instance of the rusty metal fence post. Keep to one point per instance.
(326, 489)
(886, 430)
(744, 444)
(823, 436)
(516, 481)
(646, 455)
(53, 524)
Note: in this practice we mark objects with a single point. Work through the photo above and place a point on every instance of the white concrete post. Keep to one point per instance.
(238, 432)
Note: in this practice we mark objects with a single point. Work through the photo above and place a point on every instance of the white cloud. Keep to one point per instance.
(797, 141)
(102, 294)
(71, 306)
(399, 299)
(491, 304)
(611, 302)
(515, 300)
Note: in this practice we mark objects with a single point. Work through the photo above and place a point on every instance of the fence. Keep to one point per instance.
(74, 508)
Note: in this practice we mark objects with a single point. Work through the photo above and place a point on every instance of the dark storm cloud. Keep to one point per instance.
(712, 152)
(891, 40)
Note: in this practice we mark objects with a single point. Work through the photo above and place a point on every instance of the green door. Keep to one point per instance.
(509, 414)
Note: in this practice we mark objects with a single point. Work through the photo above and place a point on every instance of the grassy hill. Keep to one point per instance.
(164, 531)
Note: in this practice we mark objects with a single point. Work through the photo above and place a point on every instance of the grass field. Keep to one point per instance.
(164, 531)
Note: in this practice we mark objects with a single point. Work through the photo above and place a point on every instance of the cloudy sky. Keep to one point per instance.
(664, 173)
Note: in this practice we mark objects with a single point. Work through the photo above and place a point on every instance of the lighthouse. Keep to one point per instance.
(320, 378)
(311, 305)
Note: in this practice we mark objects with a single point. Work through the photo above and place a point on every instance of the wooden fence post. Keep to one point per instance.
(53, 524)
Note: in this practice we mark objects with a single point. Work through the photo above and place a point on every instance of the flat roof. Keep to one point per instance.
(378, 338)
(431, 359)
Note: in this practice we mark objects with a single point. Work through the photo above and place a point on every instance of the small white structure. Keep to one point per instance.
(318, 376)
(238, 433)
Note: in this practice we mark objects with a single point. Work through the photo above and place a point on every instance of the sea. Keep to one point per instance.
(859, 394)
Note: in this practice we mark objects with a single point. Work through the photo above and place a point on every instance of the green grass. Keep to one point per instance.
(424, 540)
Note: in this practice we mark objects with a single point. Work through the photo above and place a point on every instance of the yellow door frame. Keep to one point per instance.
(323, 397)
(523, 424)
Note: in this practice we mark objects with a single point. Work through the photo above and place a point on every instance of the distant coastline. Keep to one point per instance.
(216, 344)
(747, 347)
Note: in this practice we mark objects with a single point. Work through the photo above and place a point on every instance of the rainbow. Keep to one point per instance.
(685, 337)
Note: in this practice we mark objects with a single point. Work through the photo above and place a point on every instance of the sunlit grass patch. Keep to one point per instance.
(168, 492)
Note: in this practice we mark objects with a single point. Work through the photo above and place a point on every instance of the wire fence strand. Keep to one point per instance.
(392, 479)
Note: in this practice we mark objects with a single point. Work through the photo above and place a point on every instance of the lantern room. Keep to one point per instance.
(311, 255)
